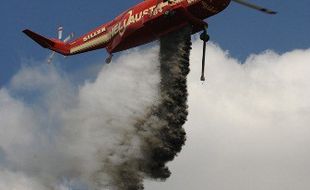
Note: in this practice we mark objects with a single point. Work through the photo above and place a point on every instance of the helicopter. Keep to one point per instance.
(145, 22)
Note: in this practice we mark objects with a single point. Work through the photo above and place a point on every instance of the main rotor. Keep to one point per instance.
(254, 6)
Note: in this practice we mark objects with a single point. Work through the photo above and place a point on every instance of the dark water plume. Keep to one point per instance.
(160, 130)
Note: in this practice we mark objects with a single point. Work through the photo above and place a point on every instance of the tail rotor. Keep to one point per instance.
(60, 30)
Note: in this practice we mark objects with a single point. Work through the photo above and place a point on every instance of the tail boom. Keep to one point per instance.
(52, 44)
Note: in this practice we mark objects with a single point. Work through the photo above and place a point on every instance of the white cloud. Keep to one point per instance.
(18, 181)
(248, 126)
(53, 132)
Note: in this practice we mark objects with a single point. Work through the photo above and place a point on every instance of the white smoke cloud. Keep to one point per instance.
(247, 128)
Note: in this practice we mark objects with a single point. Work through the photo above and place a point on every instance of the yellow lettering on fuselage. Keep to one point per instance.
(94, 34)
(132, 18)
(93, 39)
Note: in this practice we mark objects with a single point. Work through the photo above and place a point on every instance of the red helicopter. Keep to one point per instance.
(141, 24)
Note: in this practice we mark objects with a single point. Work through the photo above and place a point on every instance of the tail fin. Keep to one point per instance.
(53, 44)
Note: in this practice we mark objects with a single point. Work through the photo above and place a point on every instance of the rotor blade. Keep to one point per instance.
(256, 7)
(69, 37)
(60, 31)
(50, 58)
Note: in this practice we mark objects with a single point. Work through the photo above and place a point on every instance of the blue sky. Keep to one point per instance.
(239, 30)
